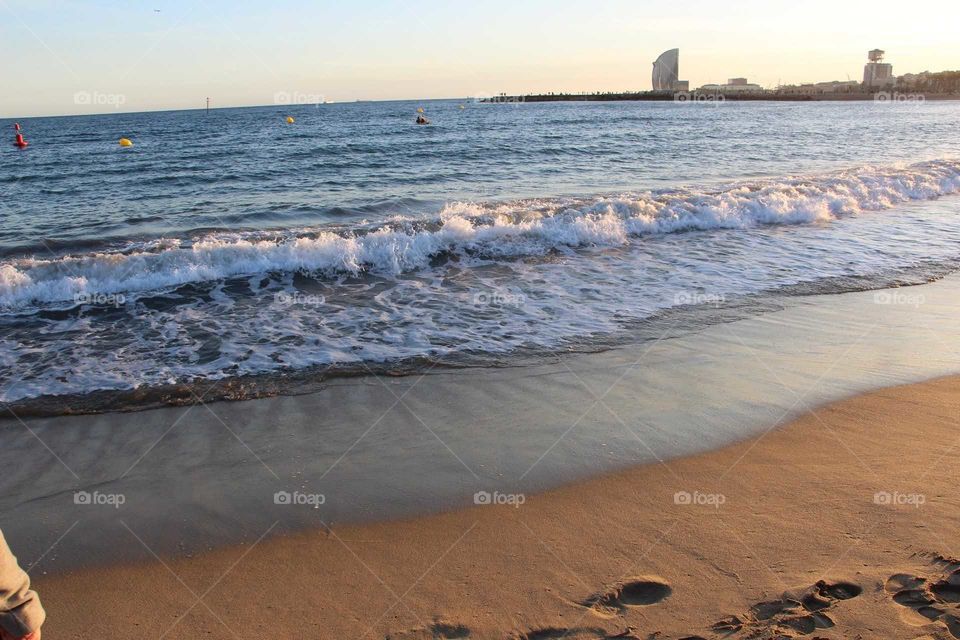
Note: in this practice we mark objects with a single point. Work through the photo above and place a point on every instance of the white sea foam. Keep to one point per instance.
(503, 230)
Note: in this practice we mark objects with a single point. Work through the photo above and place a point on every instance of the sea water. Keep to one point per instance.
(232, 246)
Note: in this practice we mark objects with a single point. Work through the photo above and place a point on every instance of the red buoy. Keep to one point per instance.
(19, 142)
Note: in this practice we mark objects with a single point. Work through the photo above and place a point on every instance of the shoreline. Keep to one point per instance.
(677, 321)
(381, 449)
(839, 510)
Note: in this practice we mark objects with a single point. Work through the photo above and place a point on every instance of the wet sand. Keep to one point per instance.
(843, 524)
(194, 478)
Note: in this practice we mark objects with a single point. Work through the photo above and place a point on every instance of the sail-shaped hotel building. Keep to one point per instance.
(666, 72)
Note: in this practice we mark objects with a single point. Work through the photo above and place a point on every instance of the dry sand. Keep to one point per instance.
(844, 524)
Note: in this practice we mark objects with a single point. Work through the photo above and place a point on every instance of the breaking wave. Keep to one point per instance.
(502, 230)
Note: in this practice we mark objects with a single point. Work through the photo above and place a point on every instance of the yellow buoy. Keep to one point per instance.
(462, 107)
(125, 142)
(420, 110)
(290, 120)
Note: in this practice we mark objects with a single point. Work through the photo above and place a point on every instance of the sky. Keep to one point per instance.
(98, 56)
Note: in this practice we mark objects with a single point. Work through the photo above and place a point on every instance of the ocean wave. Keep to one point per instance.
(502, 230)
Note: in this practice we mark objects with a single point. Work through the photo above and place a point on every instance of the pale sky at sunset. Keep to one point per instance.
(243, 53)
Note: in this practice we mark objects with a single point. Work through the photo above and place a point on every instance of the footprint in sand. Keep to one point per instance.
(436, 631)
(446, 631)
(794, 613)
(586, 633)
(637, 592)
(934, 600)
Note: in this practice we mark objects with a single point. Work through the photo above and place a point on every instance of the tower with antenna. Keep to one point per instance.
(877, 74)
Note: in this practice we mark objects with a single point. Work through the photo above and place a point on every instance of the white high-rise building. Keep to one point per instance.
(666, 72)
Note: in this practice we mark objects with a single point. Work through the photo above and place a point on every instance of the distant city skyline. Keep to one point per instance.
(104, 56)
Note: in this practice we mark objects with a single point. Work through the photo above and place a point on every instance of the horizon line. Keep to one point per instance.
(248, 106)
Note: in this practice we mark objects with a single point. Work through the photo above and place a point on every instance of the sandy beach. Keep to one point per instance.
(368, 321)
(843, 524)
